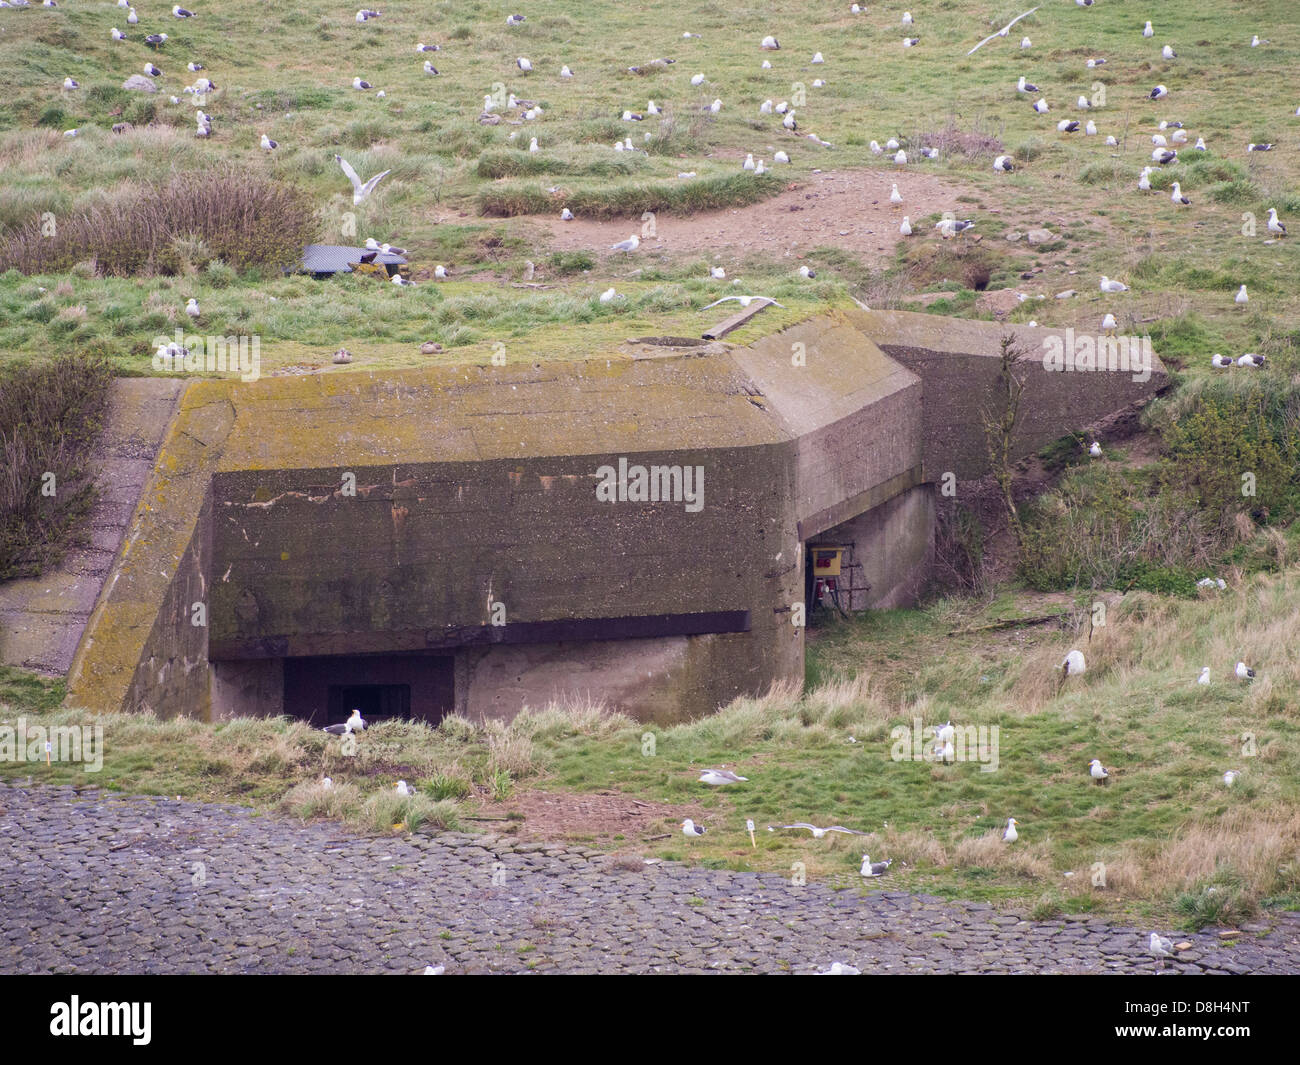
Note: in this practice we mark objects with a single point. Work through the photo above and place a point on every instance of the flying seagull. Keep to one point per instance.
(360, 190)
(744, 301)
(719, 777)
(1003, 32)
(820, 833)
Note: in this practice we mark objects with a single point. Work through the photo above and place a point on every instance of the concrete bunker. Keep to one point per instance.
(473, 538)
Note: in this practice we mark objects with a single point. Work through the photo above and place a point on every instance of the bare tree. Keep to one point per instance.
(1000, 418)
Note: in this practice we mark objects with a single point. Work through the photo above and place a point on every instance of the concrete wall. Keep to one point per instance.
(251, 687)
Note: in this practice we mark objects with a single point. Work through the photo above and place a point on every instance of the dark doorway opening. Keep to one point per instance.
(377, 702)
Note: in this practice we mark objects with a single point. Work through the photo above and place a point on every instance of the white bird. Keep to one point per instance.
(1179, 136)
(1274, 226)
(691, 829)
(911, 42)
(1161, 947)
(945, 733)
(1067, 125)
(818, 58)
(353, 723)
(789, 121)
(652, 108)
(627, 246)
(716, 107)
(895, 197)
(192, 308)
(434, 970)
(268, 144)
(891, 145)
(360, 189)
(1200, 145)
(1025, 42)
(429, 68)
(1177, 197)
(1165, 156)
(1004, 163)
(1167, 52)
(1011, 835)
(440, 272)
(945, 751)
(1040, 105)
(838, 968)
(1073, 663)
(1251, 359)
(403, 788)
(422, 47)
(152, 71)
(718, 777)
(365, 16)
(566, 215)
(1096, 771)
(1147, 31)
(906, 228)
(820, 833)
(1095, 450)
(1158, 93)
(1243, 673)
(873, 869)
(402, 282)
(717, 273)
(876, 149)
(608, 295)
(118, 35)
(1204, 677)
(180, 12)
(524, 65)
(131, 17)
(565, 72)
(1108, 285)
(1230, 777)
(1158, 139)
(697, 79)
(900, 157)
(907, 18)
(1083, 103)
(781, 157)
(1255, 42)
(770, 43)
(359, 83)
(744, 301)
(1111, 142)
(69, 83)
(1094, 63)
(532, 145)
(1090, 128)
(807, 273)
(326, 783)
(194, 68)
(1221, 362)
(1241, 299)
(1108, 323)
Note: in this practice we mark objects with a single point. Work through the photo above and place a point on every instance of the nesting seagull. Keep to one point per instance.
(360, 84)
(872, 869)
(1251, 359)
(820, 833)
(268, 144)
(807, 273)
(1011, 835)
(360, 189)
(402, 282)
(1158, 93)
(1147, 31)
(1067, 125)
(906, 228)
(1168, 53)
(1109, 285)
(1040, 105)
(1259, 147)
(70, 83)
(403, 788)
(718, 777)
(691, 829)
(1230, 777)
(429, 68)
(118, 35)
(1165, 156)
(1095, 449)
(1004, 163)
(771, 44)
(1204, 677)
(1073, 663)
(1221, 362)
(180, 12)
(608, 295)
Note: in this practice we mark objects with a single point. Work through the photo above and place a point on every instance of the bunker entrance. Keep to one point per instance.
(326, 689)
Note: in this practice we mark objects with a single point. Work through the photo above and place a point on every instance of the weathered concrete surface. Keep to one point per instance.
(99, 883)
(41, 620)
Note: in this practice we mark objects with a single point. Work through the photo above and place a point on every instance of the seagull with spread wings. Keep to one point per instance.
(360, 189)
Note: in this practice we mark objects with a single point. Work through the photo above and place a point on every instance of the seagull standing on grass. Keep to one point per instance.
(1241, 299)
(360, 190)
(1097, 771)
(1230, 777)
(1274, 226)
(268, 144)
(1177, 198)
(1148, 31)
(1095, 449)
(1109, 285)
(1004, 163)
(1204, 678)
(691, 830)
(1011, 835)
(1243, 673)
(353, 724)
(192, 309)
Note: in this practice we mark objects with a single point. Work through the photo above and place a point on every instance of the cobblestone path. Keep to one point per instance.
(92, 882)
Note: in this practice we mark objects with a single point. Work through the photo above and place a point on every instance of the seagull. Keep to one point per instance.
(1241, 299)
(608, 295)
(386, 248)
(950, 227)
(524, 65)
(719, 777)
(892, 145)
(566, 215)
(360, 190)
(818, 58)
(1204, 678)
(326, 783)
(907, 18)
(268, 144)
(1177, 197)
(838, 968)
(180, 12)
(900, 157)
(627, 246)
(152, 70)
(1221, 362)
(1179, 136)
(131, 17)
(69, 83)
(1159, 140)
(516, 20)
(872, 869)
(365, 16)
(1093, 63)
(1230, 777)
(895, 197)
(358, 83)
(565, 72)
(911, 42)
(906, 228)
(1111, 142)
(781, 157)
(192, 308)
(807, 273)
(820, 833)
(194, 68)
(118, 35)
(788, 122)
(944, 733)
(434, 970)
(1161, 947)
(1073, 663)
(1107, 285)
(1040, 105)
(1243, 673)
(691, 829)
(744, 301)
(403, 788)
(1168, 53)
(1067, 125)
(1083, 103)
(1025, 42)
(1274, 226)
(697, 79)
(771, 44)
(1023, 85)
(1096, 771)
(352, 724)
(430, 69)
(440, 272)
(1158, 93)
(1147, 31)
(1259, 147)
(1095, 449)
(1011, 835)
(1251, 359)
(876, 149)
(422, 47)
(1164, 156)
(402, 282)
(1004, 163)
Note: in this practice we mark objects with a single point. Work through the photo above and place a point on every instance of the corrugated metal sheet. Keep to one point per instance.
(335, 258)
